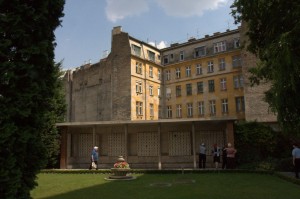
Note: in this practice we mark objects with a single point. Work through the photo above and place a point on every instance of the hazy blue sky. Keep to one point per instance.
(86, 27)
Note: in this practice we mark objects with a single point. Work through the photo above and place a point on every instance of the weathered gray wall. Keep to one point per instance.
(255, 106)
(101, 92)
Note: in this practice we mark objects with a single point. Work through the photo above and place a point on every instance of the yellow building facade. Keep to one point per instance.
(203, 78)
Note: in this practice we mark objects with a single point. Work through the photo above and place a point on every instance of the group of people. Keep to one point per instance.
(228, 156)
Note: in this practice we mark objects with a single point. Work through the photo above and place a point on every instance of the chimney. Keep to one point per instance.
(117, 30)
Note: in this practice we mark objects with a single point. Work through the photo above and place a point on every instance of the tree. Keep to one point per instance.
(255, 141)
(57, 112)
(28, 80)
(273, 32)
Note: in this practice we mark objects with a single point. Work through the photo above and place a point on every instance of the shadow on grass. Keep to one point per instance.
(140, 187)
(172, 186)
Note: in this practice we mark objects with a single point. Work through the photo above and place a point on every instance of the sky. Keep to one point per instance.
(85, 32)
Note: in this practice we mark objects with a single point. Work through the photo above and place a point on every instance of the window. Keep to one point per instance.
(201, 108)
(159, 112)
(177, 73)
(200, 51)
(210, 66)
(224, 106)
(159, 74)
(169, 111)
(188, 71)
(236, 61)
(238, 81)
(236, 42)
(151, 56)
(188, 89)
(151, 110)
(136, 50)
(219, 47)
(178, 111)
(168, 75)
(158, 92)
(223, 84)
(166, 59)
(150, 71)
(212, 107)
(178, 91)
(172, 56)
(138, 67)
(211, 85)
(199, 87)
(239, 104)
(181, 56)
(222, 64)
(138, 87)
(199, 69)
(151, 90)
(190, 109)
(168, 93)
(139, 108)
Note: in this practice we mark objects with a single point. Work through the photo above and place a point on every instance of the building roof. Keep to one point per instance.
(93, 123)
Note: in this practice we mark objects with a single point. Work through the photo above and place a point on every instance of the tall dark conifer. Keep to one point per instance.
(28, 79)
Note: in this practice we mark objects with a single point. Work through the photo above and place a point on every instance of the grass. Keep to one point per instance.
(166, 186)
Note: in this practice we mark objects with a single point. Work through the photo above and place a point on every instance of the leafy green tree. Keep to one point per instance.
(273, 32)
(255, 142)
(28, 80)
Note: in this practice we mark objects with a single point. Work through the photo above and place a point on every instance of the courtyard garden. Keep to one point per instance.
(178, 185)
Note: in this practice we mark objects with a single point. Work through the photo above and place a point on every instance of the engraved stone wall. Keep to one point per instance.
(179, 143)
(85, 144)
(147, 144)
(116, 144)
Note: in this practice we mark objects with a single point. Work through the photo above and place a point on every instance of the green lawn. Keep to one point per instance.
(166, 186)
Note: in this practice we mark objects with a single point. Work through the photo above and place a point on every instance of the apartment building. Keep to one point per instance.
(156, 106)
(203, 77)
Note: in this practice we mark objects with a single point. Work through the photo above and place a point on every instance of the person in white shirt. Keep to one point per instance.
(202, 156)
(296, 159)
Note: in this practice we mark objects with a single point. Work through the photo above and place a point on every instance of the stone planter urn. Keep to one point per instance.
(120, 170)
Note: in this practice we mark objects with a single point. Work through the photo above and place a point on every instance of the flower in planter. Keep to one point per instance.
(121, 165)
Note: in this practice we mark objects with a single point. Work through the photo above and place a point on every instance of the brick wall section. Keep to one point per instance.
(85, 102)
(255, 106)
(101, 91)
(120, 63)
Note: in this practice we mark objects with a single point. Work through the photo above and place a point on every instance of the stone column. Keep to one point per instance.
(126, 141)
(230, 132)
(159, 148)
(63, 148)
(194, 145)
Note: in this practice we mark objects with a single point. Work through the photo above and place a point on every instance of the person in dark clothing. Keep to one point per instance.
(224, 159)
(296, 159)
(216, 155)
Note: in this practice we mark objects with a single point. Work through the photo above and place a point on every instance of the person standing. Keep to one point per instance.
(230, 156)
(94, 158)
(224, 158)
(296, 159)
(216, 155)
(202, 156)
